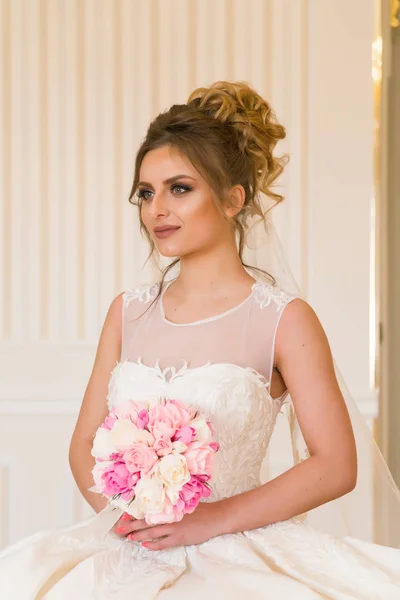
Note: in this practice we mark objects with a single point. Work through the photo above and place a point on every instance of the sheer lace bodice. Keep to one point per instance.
(243, 336)
(221, 365)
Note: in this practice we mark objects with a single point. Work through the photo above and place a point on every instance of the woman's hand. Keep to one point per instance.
(195, 528)
(123, 526)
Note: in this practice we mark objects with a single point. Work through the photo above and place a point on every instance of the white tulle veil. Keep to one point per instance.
(371, 511)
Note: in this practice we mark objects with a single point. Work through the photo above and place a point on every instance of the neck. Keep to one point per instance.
(212, 271)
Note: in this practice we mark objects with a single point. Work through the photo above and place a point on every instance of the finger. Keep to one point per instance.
(150, 533)
(126, 517)
(124, 524)
(120, 529)
(167, 542)
(127, 527)
(139, 524)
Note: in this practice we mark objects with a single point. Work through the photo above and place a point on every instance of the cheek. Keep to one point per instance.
(143, 214)
(147, 220)
(202, 217)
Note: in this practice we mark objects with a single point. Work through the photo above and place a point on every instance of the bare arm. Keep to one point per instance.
(94, 405)
(304, 359)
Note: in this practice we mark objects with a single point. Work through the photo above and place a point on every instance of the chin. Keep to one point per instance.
(169, 251)
(169, 254)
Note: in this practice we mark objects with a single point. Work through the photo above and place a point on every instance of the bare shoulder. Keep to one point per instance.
(299, 315)
(112, 325)
(300, 331)
(115, 310)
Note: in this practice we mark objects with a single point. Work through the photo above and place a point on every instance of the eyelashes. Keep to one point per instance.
(142, 193)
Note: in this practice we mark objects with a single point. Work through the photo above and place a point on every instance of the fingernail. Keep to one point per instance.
(126, 517)
(120, 529)
(130, 536)
(145, 544)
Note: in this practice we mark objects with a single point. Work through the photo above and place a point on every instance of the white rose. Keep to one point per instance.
(144, 436)
(125, 433)
(203, 431)
(173, 472)
(102, 444)
(149, 498)
(179, 447)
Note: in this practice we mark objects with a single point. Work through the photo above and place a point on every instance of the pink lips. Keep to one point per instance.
(163, 232)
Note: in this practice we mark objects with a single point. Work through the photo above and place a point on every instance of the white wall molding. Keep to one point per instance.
(71, 240)
(25, 407)
(368, 404)
(7, 490)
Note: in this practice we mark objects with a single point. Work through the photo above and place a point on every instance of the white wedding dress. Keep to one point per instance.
(223, 365)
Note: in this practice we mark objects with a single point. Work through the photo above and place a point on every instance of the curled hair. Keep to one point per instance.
(228, 132)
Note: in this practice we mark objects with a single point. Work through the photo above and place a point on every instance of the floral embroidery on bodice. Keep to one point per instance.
(232, 393)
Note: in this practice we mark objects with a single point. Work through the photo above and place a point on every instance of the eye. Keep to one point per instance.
(142, 194)
(183, 188)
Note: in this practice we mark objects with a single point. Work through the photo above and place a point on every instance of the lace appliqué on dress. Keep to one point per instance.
(265, 294)
(143, 293)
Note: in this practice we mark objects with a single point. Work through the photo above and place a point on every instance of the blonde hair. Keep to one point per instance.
(228, 132)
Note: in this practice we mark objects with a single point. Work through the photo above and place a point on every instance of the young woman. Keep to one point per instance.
(224, 337)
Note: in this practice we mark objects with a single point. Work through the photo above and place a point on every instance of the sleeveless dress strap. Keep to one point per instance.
(134, 301)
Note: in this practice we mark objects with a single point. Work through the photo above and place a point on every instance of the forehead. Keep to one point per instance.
(162, 163)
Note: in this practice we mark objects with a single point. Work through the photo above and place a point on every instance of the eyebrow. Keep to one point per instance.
(169, 180)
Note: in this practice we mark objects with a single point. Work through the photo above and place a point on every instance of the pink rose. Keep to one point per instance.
(192, 492)
(109, 422)
(140, 457)
(126, 410)
(117, 456)
(161, 422)
(199, 458)
(171, 513)
(203, 477)
(181, 414)
(162, 447)
(143, 419)
(185, 434)
(118, 480)
(167, 417)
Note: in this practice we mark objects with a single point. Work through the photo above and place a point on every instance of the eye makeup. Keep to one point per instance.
(141, 193)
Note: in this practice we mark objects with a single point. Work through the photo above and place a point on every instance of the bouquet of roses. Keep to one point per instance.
(154, 461)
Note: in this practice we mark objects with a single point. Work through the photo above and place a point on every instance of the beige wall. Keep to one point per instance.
(79, 82)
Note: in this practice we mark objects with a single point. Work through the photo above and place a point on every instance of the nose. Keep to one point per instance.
(159, 205)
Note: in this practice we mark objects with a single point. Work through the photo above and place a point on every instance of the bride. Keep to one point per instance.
(231, 340)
